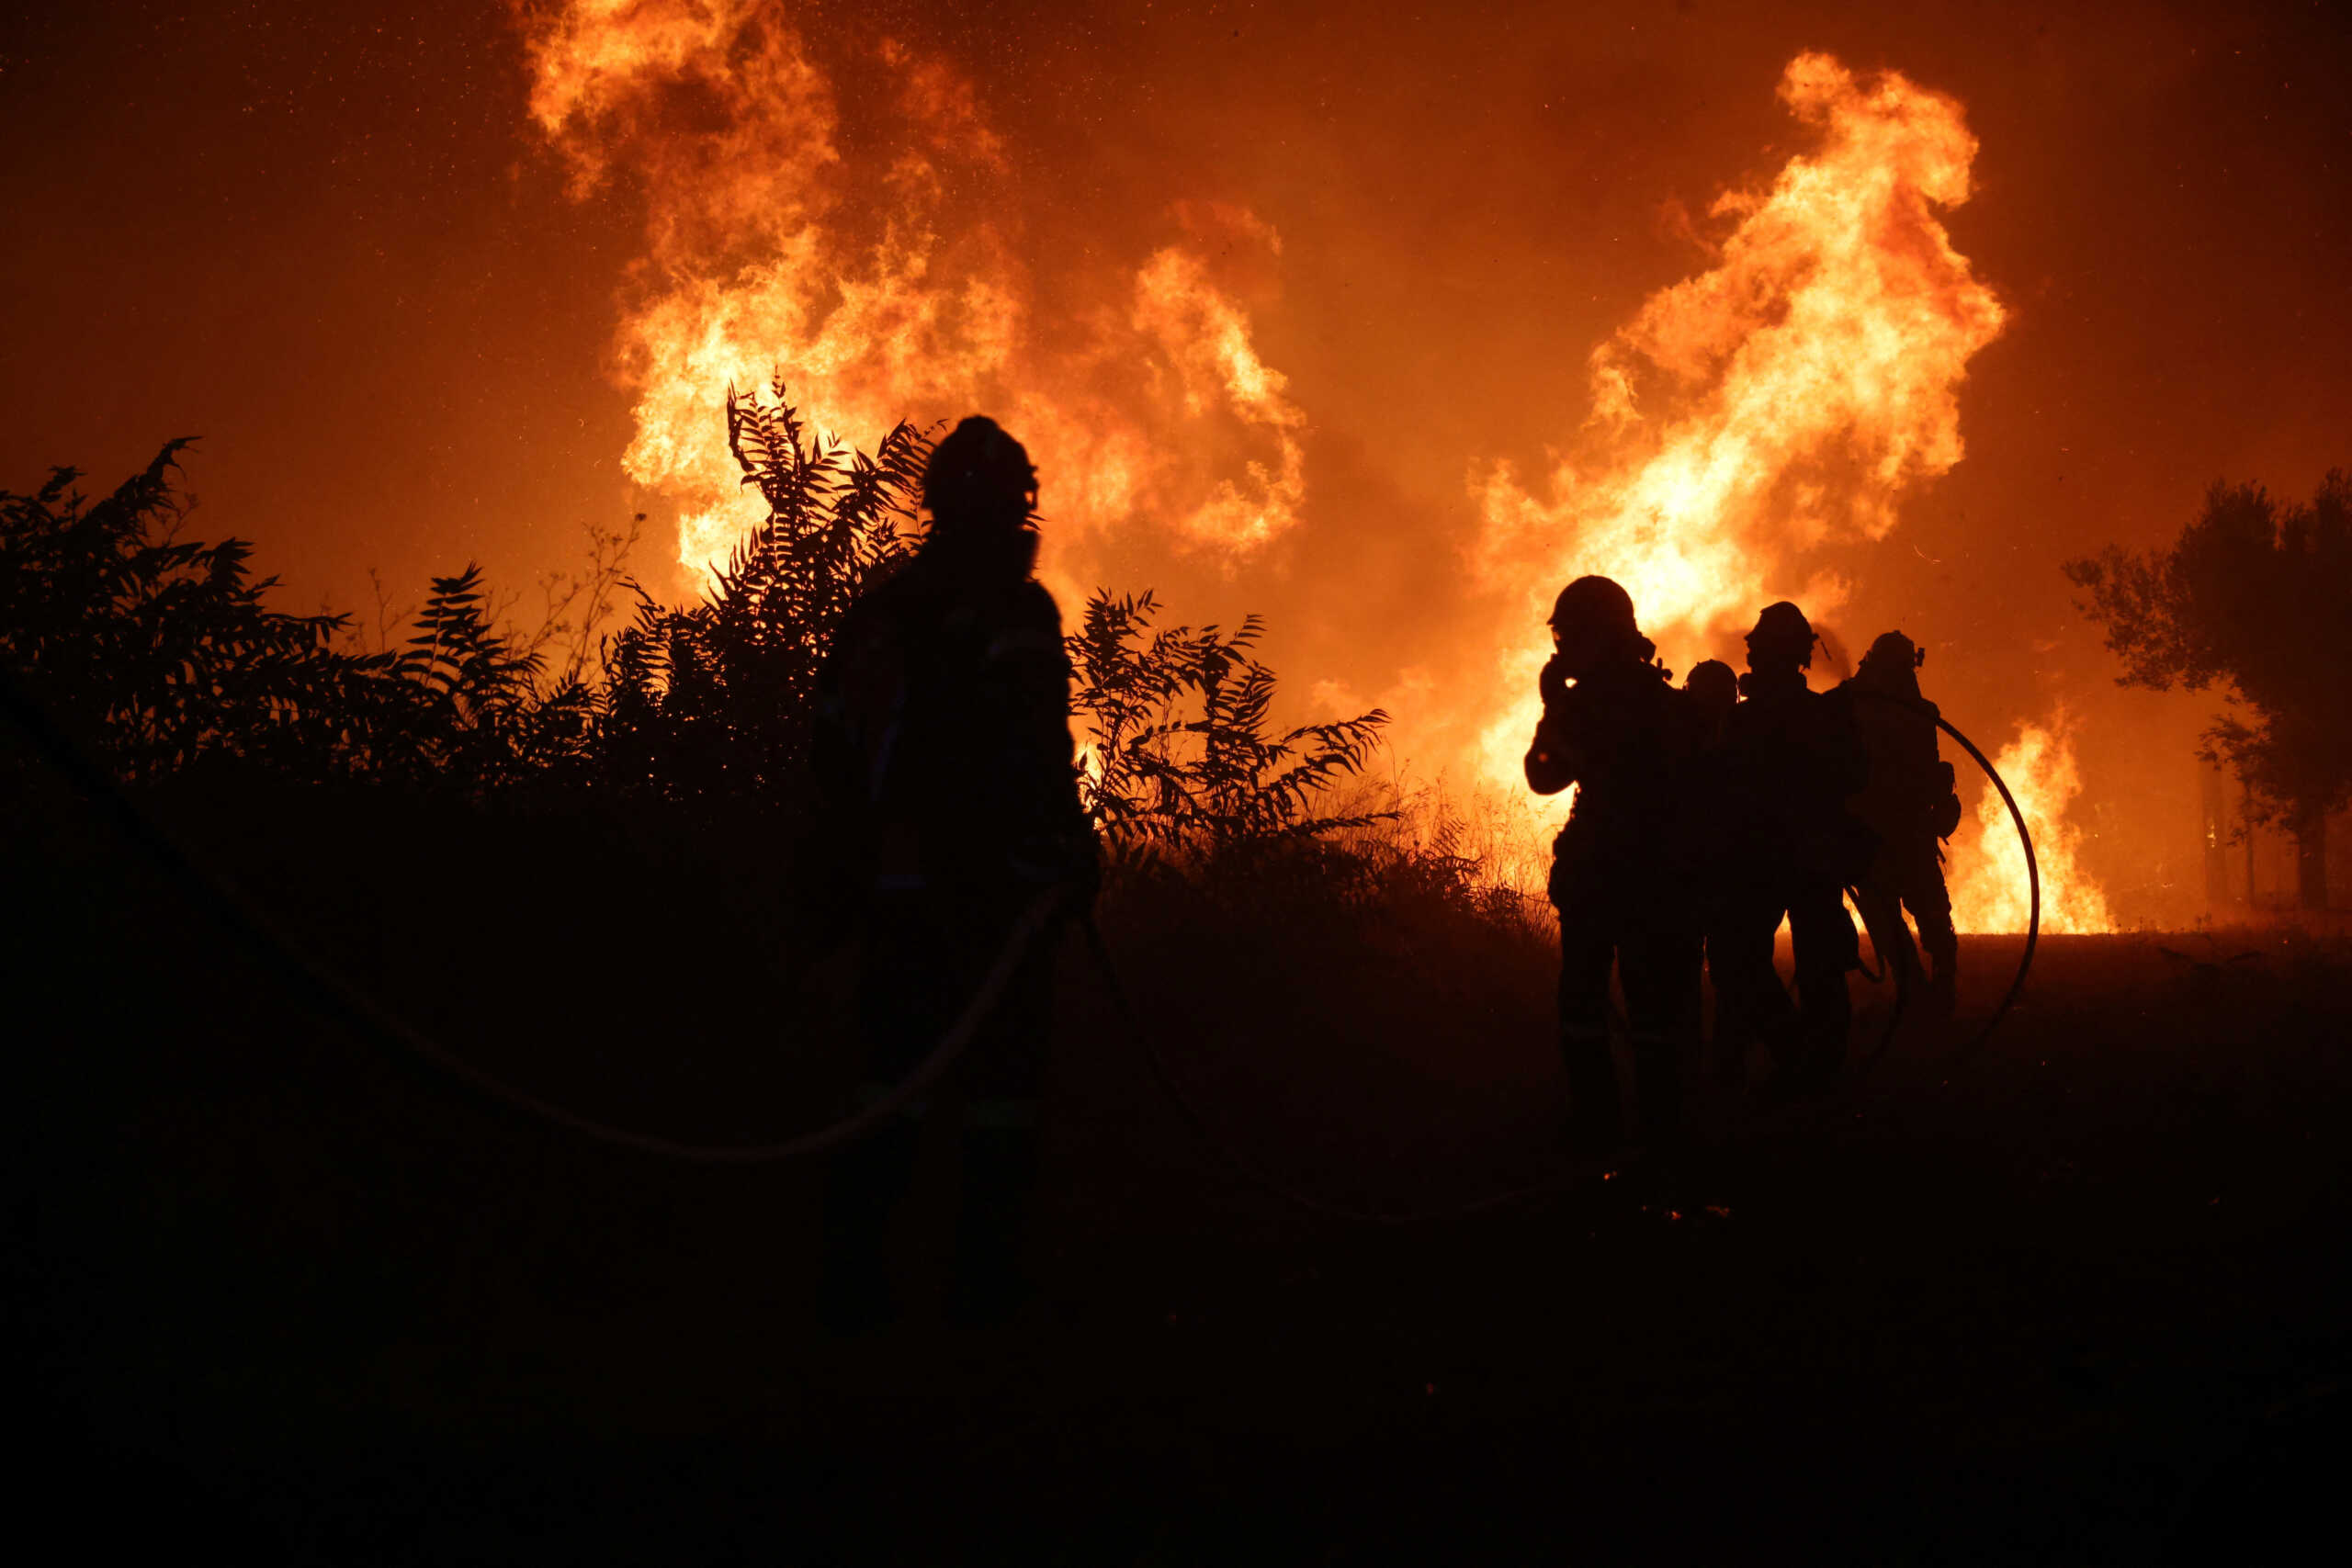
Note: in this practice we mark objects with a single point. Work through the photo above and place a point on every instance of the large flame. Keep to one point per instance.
(1787, 396)
(1988, 884)
(876, 249)
(881, 273)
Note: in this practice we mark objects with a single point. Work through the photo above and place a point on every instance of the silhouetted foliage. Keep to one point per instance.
(160, 652)
(1180, 753)
(1442, 870)
(481, 714)
(2252, 595)
(714, 701)
(575, 605)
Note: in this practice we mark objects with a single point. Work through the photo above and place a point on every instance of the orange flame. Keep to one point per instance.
(1802, 386)
(874, 252)
(886, 282)
(1988, 884)
(1207, 342)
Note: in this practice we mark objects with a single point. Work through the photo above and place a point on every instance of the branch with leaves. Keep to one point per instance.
(1180, 752)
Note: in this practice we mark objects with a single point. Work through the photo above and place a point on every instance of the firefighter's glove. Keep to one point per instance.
(1552, 684)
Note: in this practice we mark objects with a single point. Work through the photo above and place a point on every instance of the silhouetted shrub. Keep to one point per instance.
(157, 651)
(160, 652)
(1179, 755)
(712, 701)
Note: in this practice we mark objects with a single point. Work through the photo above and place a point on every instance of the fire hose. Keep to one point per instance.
(346, 1001)
(1256, 1176)
(2032, 884)
(342, 1000)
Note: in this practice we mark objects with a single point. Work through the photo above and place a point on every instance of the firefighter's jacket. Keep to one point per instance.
(943, 738)
(1629, 741)
(1910, 799)
(1790, 761)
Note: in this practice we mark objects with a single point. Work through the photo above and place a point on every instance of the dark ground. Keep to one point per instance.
(2081, 1297)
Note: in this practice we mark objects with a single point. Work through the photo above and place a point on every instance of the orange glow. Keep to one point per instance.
(1787, 396)
(1785, 399)
(1206, 341)
(1988, 880)
(889, 285)
(874, 253)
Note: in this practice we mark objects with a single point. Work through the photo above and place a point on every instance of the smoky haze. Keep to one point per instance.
(337, 246)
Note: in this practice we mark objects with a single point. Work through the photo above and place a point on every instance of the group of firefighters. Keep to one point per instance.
(1708, 814)
(1704, 816)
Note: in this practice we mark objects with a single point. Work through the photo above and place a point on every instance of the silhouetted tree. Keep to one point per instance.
(2254, 595)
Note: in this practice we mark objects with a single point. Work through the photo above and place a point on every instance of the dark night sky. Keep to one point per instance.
(325, 239)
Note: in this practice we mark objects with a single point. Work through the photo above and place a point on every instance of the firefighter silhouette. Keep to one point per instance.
(943, 745)
(1715, 691)
(1613, 727)
(1910, 802)
(1788, 762)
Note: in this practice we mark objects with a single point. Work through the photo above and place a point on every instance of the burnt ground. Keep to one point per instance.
(2080, 1297)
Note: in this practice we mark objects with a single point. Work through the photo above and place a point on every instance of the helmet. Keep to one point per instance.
(1713, 682)
(1782, 634)
(1592, 603)
(1591, 620)
(979, 474)
(1894, 652)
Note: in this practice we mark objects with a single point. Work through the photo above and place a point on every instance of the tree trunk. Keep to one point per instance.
(2310, 860)
(2245, 820)
(2214, 788)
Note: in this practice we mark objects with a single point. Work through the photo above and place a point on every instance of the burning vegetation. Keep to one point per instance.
(602, 860)
(874, 240)
(1989, 891)
(159, 655)
(1791, 393)
(874, 248)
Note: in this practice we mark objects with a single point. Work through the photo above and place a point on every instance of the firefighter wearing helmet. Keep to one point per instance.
(1788, 762)
(1613, 727)
(943, 745)
(1714, 691)
(1910, 802)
